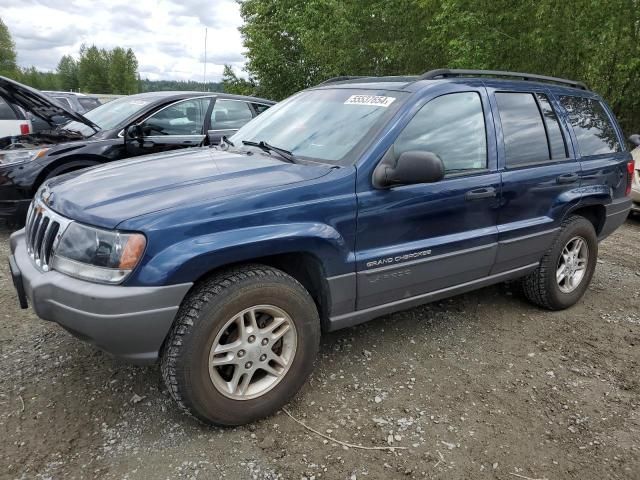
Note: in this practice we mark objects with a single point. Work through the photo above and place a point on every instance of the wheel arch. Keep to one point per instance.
(304, 267)
(594, 211)
(65, 165)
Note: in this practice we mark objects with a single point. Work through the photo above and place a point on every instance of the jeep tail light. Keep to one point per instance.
(24, 129)
(630, 168)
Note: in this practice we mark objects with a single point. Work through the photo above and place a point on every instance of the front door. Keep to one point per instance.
(416, 239)
(179, 125)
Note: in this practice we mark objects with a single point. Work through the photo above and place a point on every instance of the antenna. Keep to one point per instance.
(204, 74)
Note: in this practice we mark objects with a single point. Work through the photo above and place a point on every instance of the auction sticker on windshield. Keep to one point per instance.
(371, 100)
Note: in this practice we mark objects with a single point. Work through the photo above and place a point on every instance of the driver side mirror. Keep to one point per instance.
(133, 132)
(412, 167)
(635, 139)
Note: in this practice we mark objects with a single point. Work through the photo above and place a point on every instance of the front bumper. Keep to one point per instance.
(128, 322)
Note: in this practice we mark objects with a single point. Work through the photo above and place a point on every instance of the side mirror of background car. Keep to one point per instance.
(133, 132)
(635, 139)
(411, 167)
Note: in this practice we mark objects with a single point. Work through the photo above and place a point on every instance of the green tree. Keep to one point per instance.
(123, 70)
(93, 70)
(231, 83)
(7, 52)
(292, 45)
(68, 74)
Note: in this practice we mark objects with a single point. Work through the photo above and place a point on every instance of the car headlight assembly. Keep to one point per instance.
(103, 256)
(21, 155)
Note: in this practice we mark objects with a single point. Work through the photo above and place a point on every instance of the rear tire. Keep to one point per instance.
(222, 362)
(567, 267)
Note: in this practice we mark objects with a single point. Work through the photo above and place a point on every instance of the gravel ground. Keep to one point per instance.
(483, 385)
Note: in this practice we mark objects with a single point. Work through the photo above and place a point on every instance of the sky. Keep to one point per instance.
(167, 36)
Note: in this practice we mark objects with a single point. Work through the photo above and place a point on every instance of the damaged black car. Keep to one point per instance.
(128, 126)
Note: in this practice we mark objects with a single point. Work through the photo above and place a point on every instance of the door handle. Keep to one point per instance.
(485, 192)
(568, 178)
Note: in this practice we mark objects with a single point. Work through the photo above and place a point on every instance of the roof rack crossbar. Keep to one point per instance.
(445, 73)
(341, 78)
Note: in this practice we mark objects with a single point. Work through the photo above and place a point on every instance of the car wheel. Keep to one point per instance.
(566, 269)
(243, 343)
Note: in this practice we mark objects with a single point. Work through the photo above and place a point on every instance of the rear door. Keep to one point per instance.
(227, 117)
(539, 169)
(416, 239)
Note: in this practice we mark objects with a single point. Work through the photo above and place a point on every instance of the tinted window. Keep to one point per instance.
(64, 102)
(260, 107)
(88, 103)
(451, 126)
(554, 133)
(230, 114)
(6, 112)
(591, 125)
(182, 118)
(525, 140)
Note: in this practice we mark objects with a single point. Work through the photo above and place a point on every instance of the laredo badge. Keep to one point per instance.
(370, 100)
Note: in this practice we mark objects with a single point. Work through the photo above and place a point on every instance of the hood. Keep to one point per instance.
(38, 103)
(108, 195)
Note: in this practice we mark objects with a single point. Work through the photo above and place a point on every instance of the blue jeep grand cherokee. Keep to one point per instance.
(347, 201)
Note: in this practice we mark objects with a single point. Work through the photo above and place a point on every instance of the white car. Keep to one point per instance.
(13, 120)
(635, 184)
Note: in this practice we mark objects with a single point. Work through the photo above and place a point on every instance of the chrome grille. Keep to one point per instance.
(43, 230)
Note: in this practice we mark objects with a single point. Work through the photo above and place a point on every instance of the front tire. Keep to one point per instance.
(243, 343)
(566, 269)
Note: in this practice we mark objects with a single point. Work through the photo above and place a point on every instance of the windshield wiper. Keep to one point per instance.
(285, 154)
(226, 140)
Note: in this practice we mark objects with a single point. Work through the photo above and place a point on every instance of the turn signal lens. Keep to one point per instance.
(133, 250)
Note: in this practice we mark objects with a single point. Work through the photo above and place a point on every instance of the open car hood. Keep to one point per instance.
(38, 103)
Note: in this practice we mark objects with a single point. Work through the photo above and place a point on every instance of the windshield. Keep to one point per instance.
(109, 115)
(324, 125)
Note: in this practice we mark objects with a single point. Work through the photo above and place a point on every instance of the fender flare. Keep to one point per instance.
(193, 258)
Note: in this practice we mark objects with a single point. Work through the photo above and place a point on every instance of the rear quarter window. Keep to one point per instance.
(591, 125)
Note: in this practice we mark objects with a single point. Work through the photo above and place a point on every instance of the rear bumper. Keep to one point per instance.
(128, 322)
(635, 198)
(616, 213)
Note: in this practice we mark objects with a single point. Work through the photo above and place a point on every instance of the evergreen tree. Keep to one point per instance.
(68, 74)
(8, 65)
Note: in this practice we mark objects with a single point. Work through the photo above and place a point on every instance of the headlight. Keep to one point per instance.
(105, 256)
(21, 155)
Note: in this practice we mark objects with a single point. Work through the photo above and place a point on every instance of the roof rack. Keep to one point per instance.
(446, 73)
(341, 78)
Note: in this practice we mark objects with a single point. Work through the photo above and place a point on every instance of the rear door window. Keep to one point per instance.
(6, 112)
(591, 125)
(230, 114)
(525, 139)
